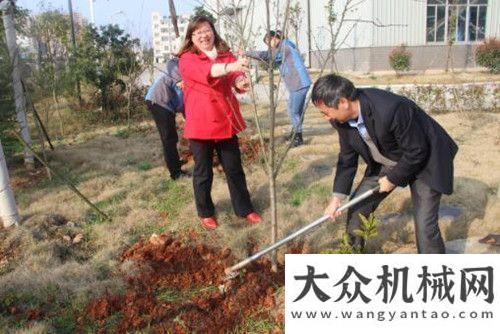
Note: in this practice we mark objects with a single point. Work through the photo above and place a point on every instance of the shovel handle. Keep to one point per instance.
(301, 231)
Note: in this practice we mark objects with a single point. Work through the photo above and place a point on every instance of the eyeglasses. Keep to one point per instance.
(203, 32)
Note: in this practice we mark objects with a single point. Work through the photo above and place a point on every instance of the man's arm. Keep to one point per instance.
(265, 55)
(258, 55)
(413, 143)
(347, 165)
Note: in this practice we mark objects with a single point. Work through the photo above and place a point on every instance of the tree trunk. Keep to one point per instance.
(272, 178)
(20, 99)
(8, 209)
(449, 60)
(129, 105)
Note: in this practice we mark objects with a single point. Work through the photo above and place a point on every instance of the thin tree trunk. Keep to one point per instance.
(56, 106)
(8, 210)
(19, 97)
(448, 58)
(272, 177)
(129, 105)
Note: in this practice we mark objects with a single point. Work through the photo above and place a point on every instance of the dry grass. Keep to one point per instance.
(107, 169)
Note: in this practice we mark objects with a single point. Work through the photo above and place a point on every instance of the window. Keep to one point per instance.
(456, 20)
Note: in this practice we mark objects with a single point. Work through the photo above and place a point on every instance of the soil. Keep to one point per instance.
(178, 289)
(250, 150)
(23, 178)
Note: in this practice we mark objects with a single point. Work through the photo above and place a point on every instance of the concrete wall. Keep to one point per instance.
(424, 57)
(432, 98)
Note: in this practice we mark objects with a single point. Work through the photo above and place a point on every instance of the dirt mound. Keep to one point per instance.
(178, 290)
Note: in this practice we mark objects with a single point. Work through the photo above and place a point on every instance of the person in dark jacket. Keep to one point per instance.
(401, 145)
(164, 99)
(294, 74)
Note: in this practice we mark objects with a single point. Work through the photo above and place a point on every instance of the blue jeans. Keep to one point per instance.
(296, 108)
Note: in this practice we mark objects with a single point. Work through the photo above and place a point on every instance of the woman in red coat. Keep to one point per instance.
(210, 72)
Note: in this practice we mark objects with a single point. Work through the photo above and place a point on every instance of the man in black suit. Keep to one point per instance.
(400, 144)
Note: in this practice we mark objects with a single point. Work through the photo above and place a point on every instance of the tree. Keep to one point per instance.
(296, 15)
(8, 9)
(7, 107)
(8, 209)
(52, 30)
(104, 56)
(201, 11)
(452, 30)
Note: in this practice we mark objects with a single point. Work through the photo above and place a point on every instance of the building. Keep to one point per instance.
(372, 28)
(165, 42)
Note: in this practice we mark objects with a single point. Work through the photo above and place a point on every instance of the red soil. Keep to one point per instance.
(177, 290)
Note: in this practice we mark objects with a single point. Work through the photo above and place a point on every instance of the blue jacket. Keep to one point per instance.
(165, 92)
(292, 67)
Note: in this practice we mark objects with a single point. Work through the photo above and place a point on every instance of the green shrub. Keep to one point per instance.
(488, 55)
(400, 59)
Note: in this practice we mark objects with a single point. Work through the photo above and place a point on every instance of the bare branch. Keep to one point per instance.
(376, 23)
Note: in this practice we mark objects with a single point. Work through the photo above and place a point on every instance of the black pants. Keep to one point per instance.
(165, 122)
(425, 211)
(229, 155)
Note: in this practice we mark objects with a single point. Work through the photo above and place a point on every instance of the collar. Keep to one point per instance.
(211, 54)
(355, 123)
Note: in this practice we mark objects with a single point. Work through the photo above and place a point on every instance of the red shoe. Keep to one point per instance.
(210, 223)
(253, 218)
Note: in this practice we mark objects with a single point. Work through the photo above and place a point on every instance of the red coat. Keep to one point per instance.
(212, 110)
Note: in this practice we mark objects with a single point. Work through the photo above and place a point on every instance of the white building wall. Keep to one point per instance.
(165, 42)
(404, 21)
(493, 19)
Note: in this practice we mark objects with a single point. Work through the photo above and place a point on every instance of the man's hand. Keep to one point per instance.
(331, 209)
(385, 185)
(242, 83)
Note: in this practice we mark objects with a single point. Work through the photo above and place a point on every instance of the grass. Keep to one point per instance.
(172, 295)
(143, 201)
(122, 133)
(172, 193)
(299, 194)
(256, 325)
(144, 166)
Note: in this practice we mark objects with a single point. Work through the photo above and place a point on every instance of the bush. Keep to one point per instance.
(400, 59)
(488, 55)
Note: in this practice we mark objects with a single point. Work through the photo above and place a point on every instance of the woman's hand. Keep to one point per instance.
(240, 65)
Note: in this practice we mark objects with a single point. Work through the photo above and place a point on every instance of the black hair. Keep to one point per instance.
(278, 34)
(330, 88)
(172, 69)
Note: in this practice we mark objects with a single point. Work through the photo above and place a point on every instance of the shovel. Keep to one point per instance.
(231, 272)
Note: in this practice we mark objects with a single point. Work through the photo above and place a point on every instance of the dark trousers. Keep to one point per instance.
(229, 155)
(425, 211)
(165, 122)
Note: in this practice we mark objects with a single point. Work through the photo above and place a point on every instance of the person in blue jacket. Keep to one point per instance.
(164, 99)
(294, 74)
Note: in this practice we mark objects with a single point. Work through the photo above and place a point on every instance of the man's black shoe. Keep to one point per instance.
(297, 141)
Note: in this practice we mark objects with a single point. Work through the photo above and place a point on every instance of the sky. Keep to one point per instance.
(134, 16)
